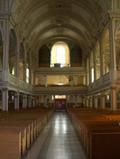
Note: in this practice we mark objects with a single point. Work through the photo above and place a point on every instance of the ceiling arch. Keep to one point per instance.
(37, 27)
(77, 19)
(60, 32)
(51, 34)
(80, 25)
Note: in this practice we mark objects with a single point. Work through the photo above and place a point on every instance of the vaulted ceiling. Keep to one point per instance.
(40, 21)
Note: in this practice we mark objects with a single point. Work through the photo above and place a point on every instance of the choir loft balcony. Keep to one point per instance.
(60, 71)
(64, 89)
(60, 80)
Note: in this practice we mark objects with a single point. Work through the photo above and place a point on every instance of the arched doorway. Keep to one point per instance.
(60, 102)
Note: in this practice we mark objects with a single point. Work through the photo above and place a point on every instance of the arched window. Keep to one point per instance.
(92, 66)
(12, 52)
(21, 62)
(27, 68)
(60, 55)
(27, 74)
(1, 51)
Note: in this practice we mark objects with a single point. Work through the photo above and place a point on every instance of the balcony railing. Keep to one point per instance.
(25, 86)
(103, 81)
(60, 70)
(14, 82)
(66, 89)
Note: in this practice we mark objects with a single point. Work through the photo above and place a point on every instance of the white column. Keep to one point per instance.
(96, 101)
(30, 102)
(16, 101)
(86, 102)
(5, 99)
(24, 103)
(37, 102)
(113, 99)
(102, 101)
(113, 68)
(34, 103)
(90, 102)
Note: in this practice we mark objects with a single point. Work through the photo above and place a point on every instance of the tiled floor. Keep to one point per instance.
(57, 141)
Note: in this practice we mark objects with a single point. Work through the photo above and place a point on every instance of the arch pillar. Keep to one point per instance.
(113, 99)
(5, 99)
(113, 66)
(24, 103)
(29, 101)
(96, 102)
(102, 98)
(16, 101)
(34, 102)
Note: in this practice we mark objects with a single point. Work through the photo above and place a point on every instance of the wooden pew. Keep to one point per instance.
(99, 132)
(19, 130)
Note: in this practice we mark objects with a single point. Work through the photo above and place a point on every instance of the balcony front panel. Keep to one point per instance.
(60, 80)
(101, 83)
(14, 83)
(60, 71)
(60, 89)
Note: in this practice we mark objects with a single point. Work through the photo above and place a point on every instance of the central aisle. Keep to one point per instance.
(58, 140)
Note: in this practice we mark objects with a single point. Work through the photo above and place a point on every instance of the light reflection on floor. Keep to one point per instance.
(62, 142)
(57, 141)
